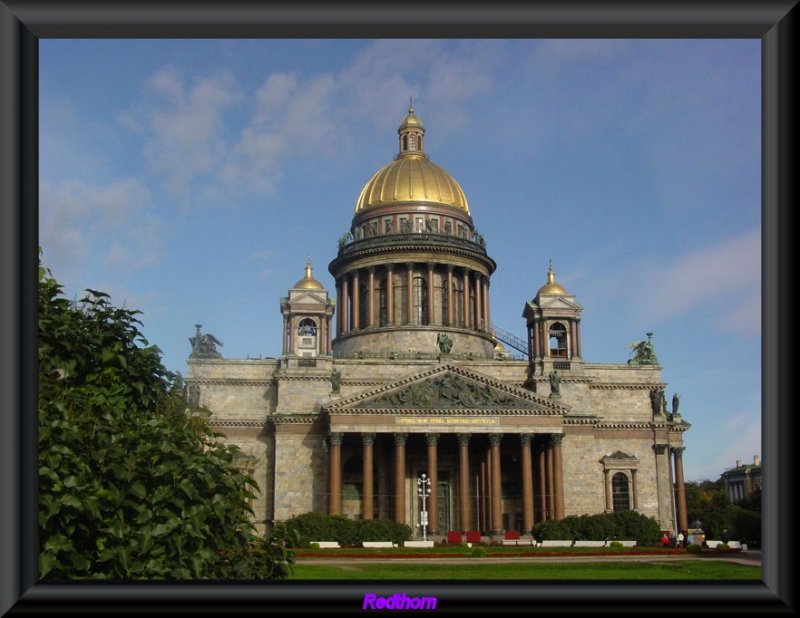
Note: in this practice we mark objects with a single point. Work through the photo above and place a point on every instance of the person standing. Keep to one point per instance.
(680, 538)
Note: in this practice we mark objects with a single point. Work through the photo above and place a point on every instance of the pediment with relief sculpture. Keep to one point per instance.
(449, 389)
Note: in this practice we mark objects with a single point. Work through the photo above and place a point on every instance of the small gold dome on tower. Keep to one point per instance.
(308, 282)
(411, 119)
(551, 287)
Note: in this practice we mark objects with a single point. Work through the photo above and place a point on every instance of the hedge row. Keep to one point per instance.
(347, 532)
(628, 525)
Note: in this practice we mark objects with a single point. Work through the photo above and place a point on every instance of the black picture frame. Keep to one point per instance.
(23, 23)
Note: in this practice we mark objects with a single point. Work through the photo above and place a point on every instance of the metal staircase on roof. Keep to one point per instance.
(510, 340)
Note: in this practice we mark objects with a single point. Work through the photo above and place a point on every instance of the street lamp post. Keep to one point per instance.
(423, 491)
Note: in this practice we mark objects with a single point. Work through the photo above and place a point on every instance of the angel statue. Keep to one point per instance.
(644, 352)
(204, 345)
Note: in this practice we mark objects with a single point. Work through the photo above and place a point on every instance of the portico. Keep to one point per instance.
(490, 451)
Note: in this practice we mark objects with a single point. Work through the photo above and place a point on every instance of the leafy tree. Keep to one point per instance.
(132, 483)
(707, 502)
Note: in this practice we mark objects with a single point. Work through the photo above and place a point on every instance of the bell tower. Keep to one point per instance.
(307, 317)
(554, 327)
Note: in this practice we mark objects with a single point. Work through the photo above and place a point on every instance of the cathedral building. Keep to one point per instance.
(402, 374)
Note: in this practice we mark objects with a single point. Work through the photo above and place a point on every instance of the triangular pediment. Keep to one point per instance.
(619, 457)
(558, 303)
(308, 298)
(450, 389)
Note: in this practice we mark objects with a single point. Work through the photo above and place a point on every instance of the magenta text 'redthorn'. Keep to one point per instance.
(398, 601)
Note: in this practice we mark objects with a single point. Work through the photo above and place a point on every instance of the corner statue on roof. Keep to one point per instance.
(644, 352)
(204, 345)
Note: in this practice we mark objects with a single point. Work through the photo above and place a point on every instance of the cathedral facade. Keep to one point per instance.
(400, 381)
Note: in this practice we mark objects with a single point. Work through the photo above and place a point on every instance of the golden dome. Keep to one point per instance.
(411, 119)
(551, 287)
(308, 282)
(411, 177)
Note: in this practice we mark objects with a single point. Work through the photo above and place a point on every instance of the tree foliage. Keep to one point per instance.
(707, 502)
(132, 483)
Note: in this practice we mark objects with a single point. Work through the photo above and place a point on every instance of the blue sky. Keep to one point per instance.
(191, 180)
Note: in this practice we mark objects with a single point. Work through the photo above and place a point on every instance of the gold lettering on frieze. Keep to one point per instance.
(447, 420)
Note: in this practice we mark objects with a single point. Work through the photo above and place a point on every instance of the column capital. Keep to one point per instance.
(432, 439)
(494, 439)
(390, 267)
(335, 438)
(371, 270)
(463, 439)
(556, 439)
(367, 438)
(525, 439)
(660, 449)
(400, 439)
(677, 451)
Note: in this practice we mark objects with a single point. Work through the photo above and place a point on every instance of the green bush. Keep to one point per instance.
(723, 546)
(383, 530)
(694, 548)
(552, 529)
(320, 527)
(478, 552)
(622, 525)
(615, 545)
(347, 532)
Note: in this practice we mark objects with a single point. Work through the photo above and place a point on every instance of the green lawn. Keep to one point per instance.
(672, 569)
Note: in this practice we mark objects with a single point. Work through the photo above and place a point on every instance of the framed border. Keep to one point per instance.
(23, 23)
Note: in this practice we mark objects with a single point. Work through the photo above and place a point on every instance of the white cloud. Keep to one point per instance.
(183, 126)
(728, 273)
(80, 224)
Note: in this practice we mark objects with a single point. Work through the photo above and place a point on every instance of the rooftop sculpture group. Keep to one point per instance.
(204, 345)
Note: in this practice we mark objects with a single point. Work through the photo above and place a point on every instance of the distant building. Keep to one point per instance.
(403, 374)
(743, 480)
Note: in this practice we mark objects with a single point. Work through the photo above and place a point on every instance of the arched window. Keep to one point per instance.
(383, 309)
(363, 306)
(307, 327)
(620, 491)
(558, 340)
